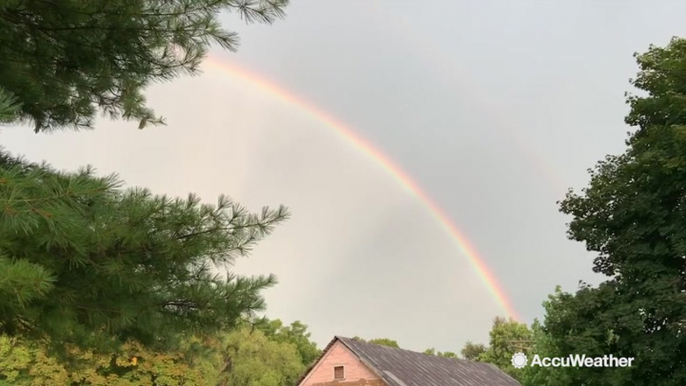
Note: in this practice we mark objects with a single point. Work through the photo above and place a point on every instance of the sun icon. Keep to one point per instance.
(519, 360)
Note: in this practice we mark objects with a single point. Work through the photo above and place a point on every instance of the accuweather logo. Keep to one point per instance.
(520, 360)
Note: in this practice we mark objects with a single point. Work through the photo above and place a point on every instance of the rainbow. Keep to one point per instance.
(477, 263)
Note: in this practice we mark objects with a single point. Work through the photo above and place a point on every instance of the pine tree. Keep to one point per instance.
(65, 60)
(9, 107)
(83, 261)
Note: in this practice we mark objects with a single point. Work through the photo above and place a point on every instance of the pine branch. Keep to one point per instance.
(9, 106)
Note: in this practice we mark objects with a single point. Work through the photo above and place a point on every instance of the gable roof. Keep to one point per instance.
(398, 367)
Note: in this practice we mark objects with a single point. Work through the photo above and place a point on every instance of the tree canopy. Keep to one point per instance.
(472, 351)
(385, 342)
(66, 60)
(507, 336)
(25, 363)
(244, 356)
(251, 358)
(380, 341)
(633, 215)
(84, 261)
(446, 354)
(296, 333)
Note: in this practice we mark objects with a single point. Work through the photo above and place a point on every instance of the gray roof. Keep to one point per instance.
(398, 367)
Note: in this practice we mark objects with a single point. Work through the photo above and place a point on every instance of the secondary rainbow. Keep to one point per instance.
(477, 263)
(444, 63)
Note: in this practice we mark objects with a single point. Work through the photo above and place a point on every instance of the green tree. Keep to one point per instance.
(385, 342)
(28, 364)
(506, 338)
(446, 354)
(66, 60)
(633, 215)
(380, 341)
(473, 351)
(9, 107)
(250, 358)
(23, 365)
(662, 103)
(555, 339)
(296, 333)
(429, 351)
(86, 262)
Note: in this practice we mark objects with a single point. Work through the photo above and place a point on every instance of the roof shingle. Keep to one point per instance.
(400, 367)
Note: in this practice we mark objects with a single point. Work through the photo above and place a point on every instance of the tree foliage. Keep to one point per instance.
(380, 341)
(86, 262)
(251, 358)
(507, 336)
(385, 342)
(65, 60)
(27, 364)
(559, 337)
(243, 357)
(296, 333)
(9, 107)
(472, 351)
(446, 354)
(633, 215)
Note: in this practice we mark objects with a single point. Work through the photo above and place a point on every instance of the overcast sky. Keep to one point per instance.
(494, 108)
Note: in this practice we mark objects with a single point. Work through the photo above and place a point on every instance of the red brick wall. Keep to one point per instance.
(356, 373)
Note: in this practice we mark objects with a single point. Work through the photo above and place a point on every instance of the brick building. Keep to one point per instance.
(348, 362)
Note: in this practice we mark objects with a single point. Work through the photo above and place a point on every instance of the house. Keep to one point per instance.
(349, 362)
